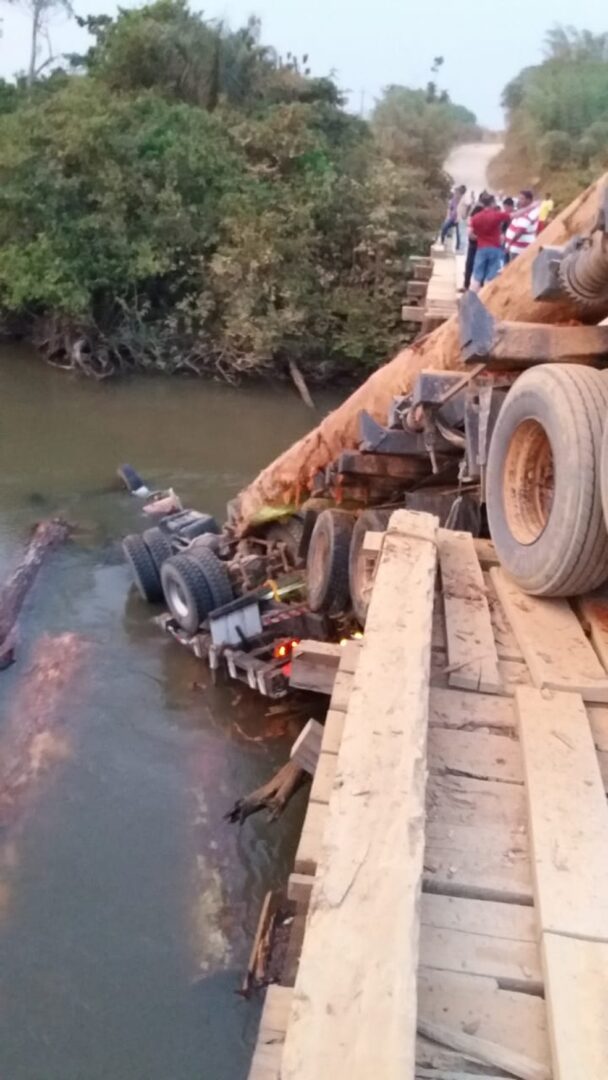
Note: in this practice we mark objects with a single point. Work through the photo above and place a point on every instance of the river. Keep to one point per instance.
(127, 905)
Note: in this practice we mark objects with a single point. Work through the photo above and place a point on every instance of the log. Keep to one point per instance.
(272, 796)
(47, 535)
(288, 479)
(31, 741)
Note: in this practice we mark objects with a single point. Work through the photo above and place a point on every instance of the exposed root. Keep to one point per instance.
(272, 796)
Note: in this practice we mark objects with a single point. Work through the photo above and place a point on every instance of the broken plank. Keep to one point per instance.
(487, 757)
(307, 747)
(507, 646)
(516, 964)
(486, 552)
(471, 649)
(518, 1065)
(513, 922)
(475, 1004)
(553, 642)
(568, 814)
(576, 980)
(339, 1009)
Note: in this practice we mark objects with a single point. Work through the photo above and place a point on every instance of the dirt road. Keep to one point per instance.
(468, 164)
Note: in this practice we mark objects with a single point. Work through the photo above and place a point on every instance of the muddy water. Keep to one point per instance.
(127, 905)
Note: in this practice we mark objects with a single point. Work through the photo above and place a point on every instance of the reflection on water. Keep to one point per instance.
(127, 905)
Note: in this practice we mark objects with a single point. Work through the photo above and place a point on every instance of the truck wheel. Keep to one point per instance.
(143, 568)
(187, 591)
(361, 567)
(158, 544)
(543, 481)
(327, 562)
(216, 575)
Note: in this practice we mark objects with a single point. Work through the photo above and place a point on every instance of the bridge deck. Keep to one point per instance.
(502, 920)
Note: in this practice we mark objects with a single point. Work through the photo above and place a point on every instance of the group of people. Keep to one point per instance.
(494, 230)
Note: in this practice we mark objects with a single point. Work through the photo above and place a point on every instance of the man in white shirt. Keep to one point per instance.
(523, 228)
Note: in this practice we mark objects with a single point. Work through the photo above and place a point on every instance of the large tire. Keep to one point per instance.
(217, 577)
(361, 567)
(187, 592)
(143, 568)
(158, 544)
(543, 481)
(327, 562)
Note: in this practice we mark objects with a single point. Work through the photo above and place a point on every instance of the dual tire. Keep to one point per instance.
(547, 480)
(194, 587)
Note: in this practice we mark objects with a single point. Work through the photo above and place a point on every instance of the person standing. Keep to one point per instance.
(452, 214)
(508, 204)
(471, 247)
(547, 207)
(486, 227)
(462, 213)
(523, 228)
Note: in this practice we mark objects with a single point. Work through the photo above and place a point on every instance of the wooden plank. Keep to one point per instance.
(487, 757)
(593, 611)
(477, 1005)
(445, 1064)
(412, 313)
(598, 719)
(323, 780)
(500, 1057)
(457, 709)
(299, 888)
(332, 731)
(340, 696)
(372, 851)
(307, 747)
(513, 922)
(461, 800)
(576, 974)
(314, 665)
(266, 1062)
(471, 649)
(553, 642)
(486, 552)
(479, 871)
(507, 646)
(516, 964)
(309, 846)
(568, 814)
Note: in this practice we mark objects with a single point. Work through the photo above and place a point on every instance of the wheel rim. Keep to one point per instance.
(177, 601)
(528, 482)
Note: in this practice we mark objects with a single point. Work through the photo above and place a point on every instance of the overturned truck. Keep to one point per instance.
(513, 443)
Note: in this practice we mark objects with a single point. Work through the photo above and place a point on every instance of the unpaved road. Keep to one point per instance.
(468, 164)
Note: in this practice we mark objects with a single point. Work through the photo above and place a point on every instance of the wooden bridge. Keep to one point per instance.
(451, 882)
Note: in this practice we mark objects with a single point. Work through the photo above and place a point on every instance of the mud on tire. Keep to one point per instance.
(543, 481)
(327, 562)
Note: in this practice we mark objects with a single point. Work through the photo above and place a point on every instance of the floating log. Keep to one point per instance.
(288, 479)
(47, 534)
(272, 796)
(31, 740)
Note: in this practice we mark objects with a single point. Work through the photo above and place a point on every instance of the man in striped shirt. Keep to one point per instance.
(523, 228)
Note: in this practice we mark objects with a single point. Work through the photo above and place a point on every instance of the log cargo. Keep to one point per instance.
(287, 480)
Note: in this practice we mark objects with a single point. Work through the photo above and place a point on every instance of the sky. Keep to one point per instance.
(369, 45)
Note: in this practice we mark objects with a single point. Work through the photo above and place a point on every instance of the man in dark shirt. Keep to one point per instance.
(486, 227)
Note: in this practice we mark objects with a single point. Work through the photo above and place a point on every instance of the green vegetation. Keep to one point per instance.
(181, 198)
(557, 111)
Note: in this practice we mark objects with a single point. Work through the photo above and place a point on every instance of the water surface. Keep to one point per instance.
(127, 905)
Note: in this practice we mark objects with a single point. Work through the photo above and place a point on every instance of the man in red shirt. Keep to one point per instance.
(486, 227)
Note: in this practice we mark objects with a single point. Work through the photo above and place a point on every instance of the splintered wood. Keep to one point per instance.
(370, 866)
(472, 658)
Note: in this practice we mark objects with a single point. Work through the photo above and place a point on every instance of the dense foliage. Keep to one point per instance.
(557, 114)
(183, 198)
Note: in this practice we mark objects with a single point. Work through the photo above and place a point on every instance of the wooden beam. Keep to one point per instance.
(412, 313)
(314, 665)
(416, 289)
(490, 1053)
(576, 980)
(307, 747)
(522, 344)
(567, 812)
(472, 654)
(375, 815)
(552, 640)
